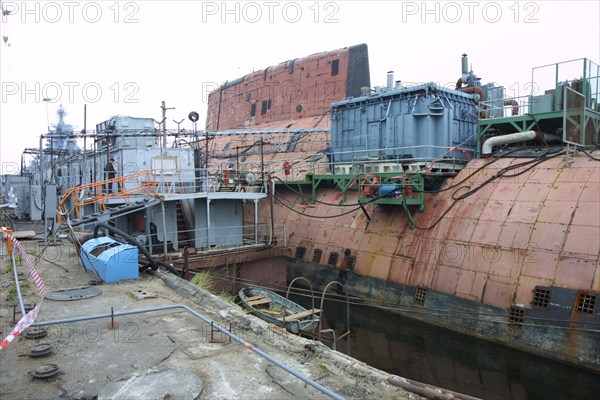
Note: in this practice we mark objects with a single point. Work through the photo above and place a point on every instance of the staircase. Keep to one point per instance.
(183, 238)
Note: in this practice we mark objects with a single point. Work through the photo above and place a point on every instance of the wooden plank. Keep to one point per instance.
(301, 315)
(260, 296)
(264, 300)
(271, 312)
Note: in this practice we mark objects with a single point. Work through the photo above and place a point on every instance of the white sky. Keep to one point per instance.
(139, 53)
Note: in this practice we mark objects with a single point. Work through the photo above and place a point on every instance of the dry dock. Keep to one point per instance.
(160, 345)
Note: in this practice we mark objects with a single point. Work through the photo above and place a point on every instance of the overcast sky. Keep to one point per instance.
(126, 57)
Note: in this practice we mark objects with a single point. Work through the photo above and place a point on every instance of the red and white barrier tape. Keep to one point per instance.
(30, 317)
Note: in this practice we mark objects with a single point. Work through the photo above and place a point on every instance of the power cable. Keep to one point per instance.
(415, 310)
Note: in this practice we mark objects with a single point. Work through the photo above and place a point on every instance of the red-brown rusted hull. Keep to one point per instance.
(490, 257)
(292, 90)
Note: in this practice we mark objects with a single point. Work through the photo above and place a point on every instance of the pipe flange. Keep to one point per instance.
(45, 371)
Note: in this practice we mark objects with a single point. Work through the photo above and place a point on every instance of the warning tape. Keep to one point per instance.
(30, 317)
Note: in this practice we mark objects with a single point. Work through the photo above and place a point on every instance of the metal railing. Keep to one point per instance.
(507, 107)
(100, 192)
(152, 183)
(225, 238)
(363, 163)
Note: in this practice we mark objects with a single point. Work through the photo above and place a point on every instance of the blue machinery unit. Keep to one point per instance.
(393, 141)
(112, 261)
(419, 123)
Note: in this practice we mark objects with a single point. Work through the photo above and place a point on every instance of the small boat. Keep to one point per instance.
(278, 310)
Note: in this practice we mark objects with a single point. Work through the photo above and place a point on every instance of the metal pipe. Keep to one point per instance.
(473, 90)
(206, 154)
(227, 333)
(514, 104)
(94, 154)
(82, 180)
(262, 163)
(41, 182)
(347, 313)
(14, 264)
(429, 392)
(164, 223)
(219, 108)
(255, 221)
(488, 145)
(312, 297)
(207, 220)
(130, 239)
(271, 189)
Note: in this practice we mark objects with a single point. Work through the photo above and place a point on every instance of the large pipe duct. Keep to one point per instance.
(488, 145)
(473, 90)
(514, 104)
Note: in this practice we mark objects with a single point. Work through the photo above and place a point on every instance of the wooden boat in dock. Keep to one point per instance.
(278, 310)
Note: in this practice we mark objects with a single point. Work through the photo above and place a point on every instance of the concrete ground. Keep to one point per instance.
(169, 354)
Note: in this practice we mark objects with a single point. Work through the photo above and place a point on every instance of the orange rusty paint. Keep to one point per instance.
(525, 235)
(538, 228)
(306, 91)
(400, 269)
(573, 333)
(575, 272)
(540, 264)
(583, 241)
(471, 284)
(446, 278)
(548, 236)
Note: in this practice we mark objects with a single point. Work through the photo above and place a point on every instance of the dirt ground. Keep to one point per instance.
(95, 359)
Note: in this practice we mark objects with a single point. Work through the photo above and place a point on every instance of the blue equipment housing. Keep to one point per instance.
(420, 123)
(112, 261)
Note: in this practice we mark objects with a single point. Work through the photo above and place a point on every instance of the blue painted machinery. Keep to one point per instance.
(419, 123)
(112, 261)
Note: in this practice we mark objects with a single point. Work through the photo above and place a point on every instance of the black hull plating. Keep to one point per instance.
(545, 332)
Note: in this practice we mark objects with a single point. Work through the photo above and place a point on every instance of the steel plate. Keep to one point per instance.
(74, 294)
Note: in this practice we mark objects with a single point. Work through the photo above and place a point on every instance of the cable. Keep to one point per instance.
(595, 146)
(331, 204)
(316, 216)
(501, 173)
(336, 297)
(415, 310)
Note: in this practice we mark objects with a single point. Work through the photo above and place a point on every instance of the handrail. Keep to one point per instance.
(347, 315)
(507, 106)
(312, 295)
(146, 180)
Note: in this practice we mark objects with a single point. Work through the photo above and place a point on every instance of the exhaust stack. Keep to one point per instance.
(465, 64)
(390, 80)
